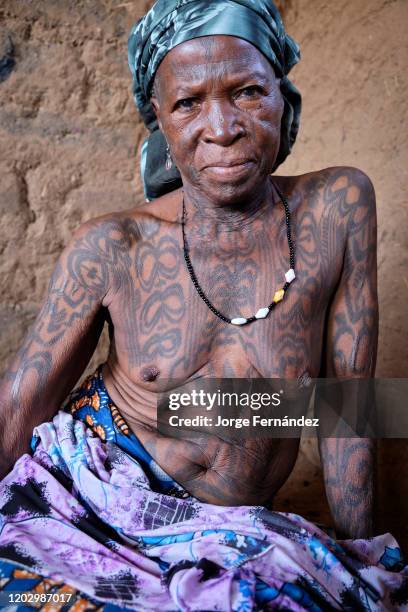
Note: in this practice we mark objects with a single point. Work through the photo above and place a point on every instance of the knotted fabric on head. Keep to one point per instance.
(171, 22)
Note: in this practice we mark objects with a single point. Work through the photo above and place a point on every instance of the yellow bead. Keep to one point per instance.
(278, 295)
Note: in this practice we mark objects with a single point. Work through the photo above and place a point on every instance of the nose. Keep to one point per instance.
(221, 124)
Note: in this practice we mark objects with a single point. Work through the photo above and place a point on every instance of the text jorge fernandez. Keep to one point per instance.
(220, 400)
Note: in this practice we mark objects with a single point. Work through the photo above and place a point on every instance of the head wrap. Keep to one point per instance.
(171, 22)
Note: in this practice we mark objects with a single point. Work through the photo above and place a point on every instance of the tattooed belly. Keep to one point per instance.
(249, 472)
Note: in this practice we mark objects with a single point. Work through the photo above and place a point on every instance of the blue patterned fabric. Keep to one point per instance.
(91, 404)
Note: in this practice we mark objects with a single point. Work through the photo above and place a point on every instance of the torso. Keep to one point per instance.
(163, 330)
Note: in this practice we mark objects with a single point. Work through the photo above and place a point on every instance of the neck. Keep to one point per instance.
(213, 217)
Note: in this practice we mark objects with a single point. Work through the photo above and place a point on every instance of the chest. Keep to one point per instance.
(162, 322)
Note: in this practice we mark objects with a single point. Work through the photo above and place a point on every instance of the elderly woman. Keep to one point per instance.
(224, 272)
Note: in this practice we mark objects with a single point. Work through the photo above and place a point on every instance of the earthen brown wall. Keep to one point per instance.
(69, 141)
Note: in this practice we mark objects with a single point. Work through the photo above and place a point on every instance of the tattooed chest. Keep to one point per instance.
(163, 328)
(170, 332)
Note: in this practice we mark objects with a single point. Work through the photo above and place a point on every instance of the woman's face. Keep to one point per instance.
(219, 106)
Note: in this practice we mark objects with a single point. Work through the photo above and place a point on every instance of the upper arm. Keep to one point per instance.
(63, 337)
(352, 322)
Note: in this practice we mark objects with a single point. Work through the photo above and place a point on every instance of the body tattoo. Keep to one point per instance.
(132, 264)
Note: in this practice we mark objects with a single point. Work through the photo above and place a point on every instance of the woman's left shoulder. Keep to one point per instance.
(346, 177)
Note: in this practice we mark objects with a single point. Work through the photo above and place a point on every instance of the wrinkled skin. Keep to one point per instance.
(218, 100)
(219, 106)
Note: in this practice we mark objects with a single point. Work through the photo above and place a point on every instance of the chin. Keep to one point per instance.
(232, 191)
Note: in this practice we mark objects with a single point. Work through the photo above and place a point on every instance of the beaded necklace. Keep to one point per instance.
(262, 313)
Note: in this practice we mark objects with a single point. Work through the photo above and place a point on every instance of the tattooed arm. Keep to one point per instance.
(60, 342)
(350, 351)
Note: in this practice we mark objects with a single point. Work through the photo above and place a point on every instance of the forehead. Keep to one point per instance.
(212, 56)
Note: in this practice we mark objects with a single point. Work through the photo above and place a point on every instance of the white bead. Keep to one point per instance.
(262, 313)
(290, 275)
(238, 321)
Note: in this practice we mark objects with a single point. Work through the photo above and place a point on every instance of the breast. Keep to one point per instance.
(164, 330)
(285, 345)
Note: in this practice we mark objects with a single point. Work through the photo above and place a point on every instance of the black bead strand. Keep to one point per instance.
(193, 275)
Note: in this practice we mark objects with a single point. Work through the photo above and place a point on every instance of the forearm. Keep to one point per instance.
(6, 452)
(349, 475)
(15, 434)
(16, 409)
(27, 398)
(37, 383)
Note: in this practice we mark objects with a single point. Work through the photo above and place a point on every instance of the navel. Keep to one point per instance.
(149, 373)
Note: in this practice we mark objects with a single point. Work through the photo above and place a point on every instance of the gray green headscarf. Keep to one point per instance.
(171, 22)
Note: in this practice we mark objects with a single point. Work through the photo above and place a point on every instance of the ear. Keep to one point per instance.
(279, 83)
(156, 107)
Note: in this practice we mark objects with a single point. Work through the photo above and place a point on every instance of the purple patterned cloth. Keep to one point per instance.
(82, 511)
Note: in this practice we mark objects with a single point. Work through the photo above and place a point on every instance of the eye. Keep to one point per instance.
(186, 104)
(252, 91)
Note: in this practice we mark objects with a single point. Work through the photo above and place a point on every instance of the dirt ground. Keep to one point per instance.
(70, 137)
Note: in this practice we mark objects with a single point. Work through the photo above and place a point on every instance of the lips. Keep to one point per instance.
(231, 169)
(228, 163)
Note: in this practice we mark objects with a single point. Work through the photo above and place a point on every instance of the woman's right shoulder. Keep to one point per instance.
(124, 229)
(109, 232)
